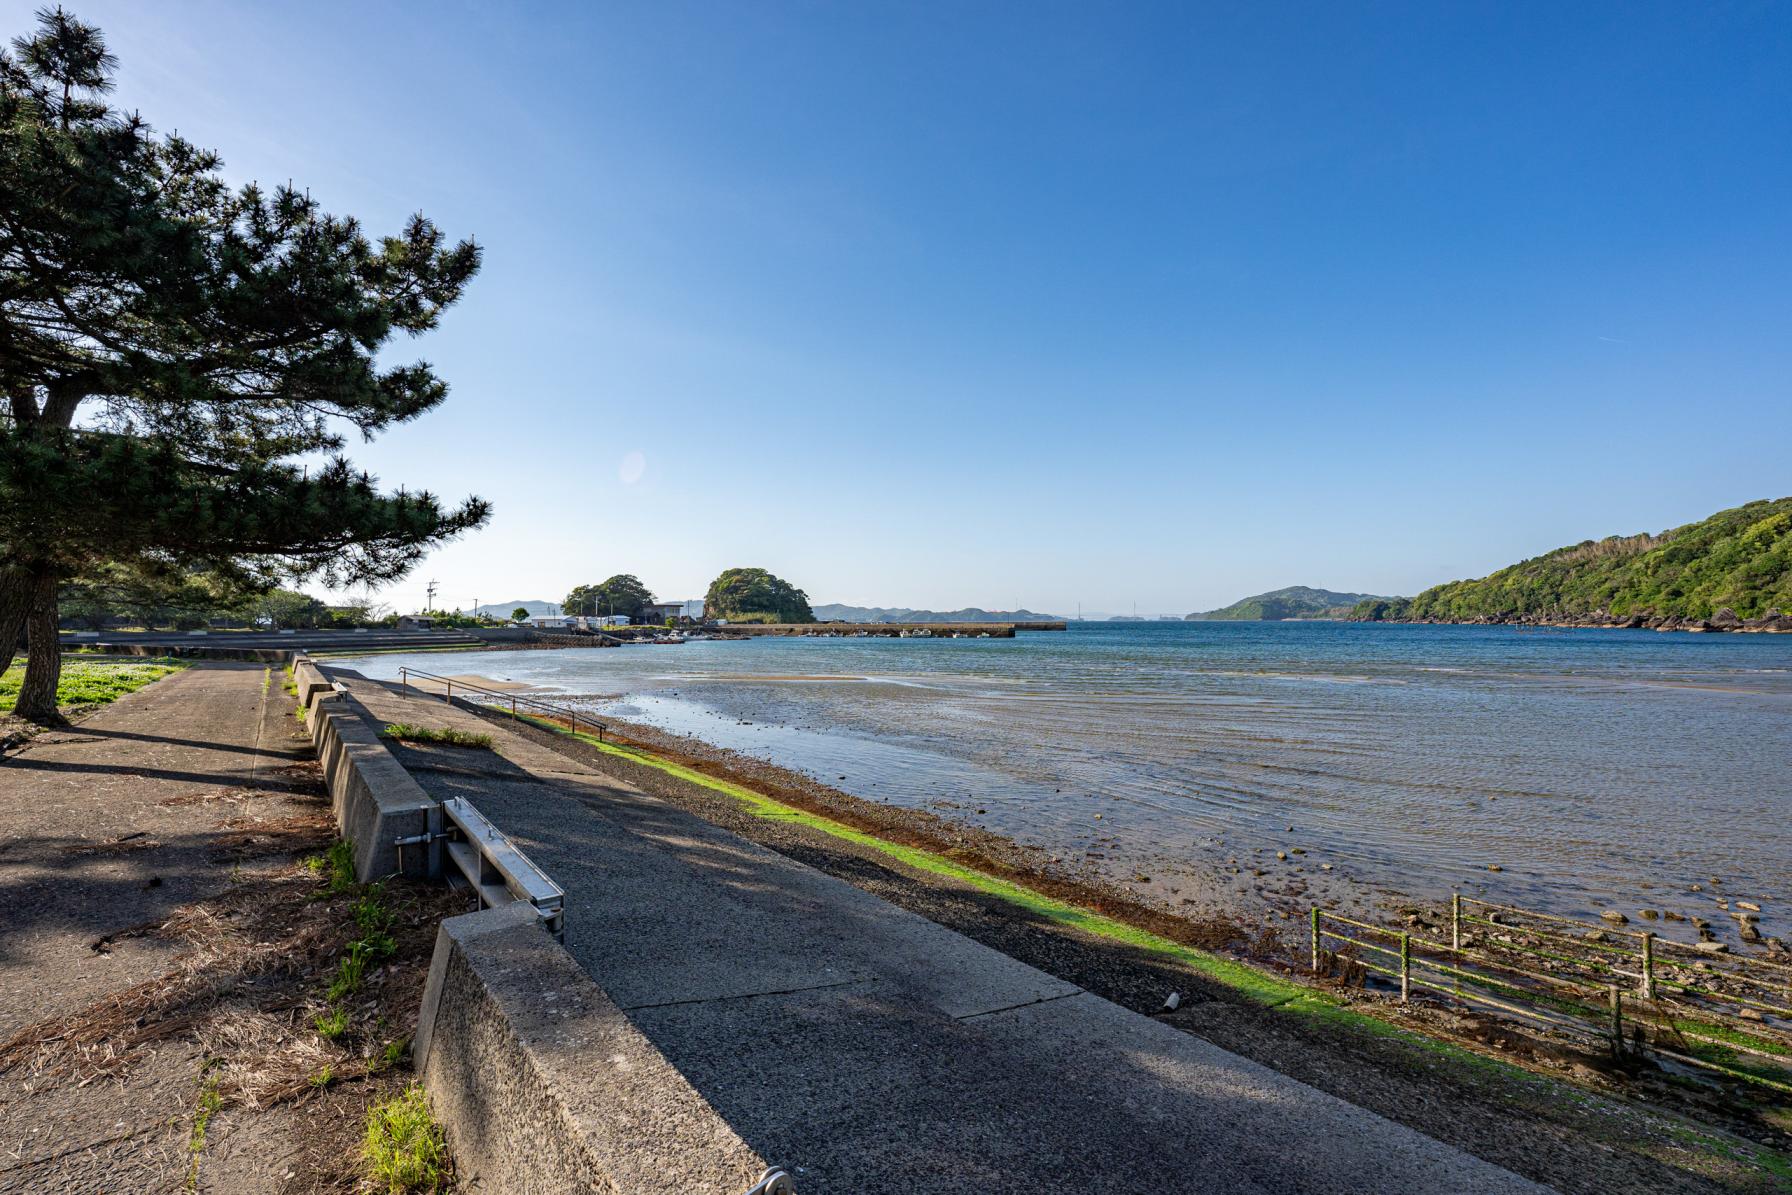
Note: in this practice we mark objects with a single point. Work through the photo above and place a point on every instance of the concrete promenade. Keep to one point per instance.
(105, 829)
(869, 1050)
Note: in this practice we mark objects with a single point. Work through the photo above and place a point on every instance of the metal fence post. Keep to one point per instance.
(449, 695)
(1648, 977)
(1456, 923)
(404, 681)
(1405, 967)
(513, 708)
(1315, 939)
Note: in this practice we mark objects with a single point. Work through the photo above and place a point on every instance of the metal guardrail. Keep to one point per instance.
(406, 673)
(1582, 994)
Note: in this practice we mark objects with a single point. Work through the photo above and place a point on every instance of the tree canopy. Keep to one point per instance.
(754, 595)
(621, 594)
(173, 350)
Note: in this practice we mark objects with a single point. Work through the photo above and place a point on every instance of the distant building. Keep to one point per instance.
(661, 611)
(415, 622)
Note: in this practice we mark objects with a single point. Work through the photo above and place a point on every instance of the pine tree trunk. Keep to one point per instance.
(18, 591)
(43, 668)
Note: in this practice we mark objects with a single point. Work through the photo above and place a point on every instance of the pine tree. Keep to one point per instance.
(170, 346)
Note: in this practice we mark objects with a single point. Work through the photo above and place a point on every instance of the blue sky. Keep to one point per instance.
(976, 304)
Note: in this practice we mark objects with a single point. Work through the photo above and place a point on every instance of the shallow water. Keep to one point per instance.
(1594, 768)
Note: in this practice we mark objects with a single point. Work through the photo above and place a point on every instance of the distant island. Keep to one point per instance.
(835, 612)
(1731, 572)
(1296, 601)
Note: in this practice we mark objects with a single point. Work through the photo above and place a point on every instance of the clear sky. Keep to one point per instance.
(976, 304)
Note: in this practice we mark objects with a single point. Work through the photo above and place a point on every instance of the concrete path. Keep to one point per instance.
(869, 1050)
(105, 828)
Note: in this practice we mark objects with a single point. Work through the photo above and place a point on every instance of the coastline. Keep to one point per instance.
(1723, 621)
(1432, 1067)
(979, 849)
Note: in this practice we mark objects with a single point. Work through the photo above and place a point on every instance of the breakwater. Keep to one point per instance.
(890, 630)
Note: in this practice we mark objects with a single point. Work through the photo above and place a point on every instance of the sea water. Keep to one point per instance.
(1574, 771)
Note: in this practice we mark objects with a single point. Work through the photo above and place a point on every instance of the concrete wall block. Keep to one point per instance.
(544, 1085)
(375, 800)
(311, 683)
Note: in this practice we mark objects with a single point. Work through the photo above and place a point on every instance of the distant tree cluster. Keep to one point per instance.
(1739, 559)
(754, 595)
(115, 596)
(621, 594)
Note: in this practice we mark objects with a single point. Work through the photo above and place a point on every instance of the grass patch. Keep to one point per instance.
(332, 1024)
(446, 736)
(336, 865)
(88, 681)
(375, 944)
(404, 1149)
(210, 1101)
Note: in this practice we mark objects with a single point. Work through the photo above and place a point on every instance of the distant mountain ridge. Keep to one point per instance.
(836, 612)
(1732, 571)
(504, 609)
(1296, 601)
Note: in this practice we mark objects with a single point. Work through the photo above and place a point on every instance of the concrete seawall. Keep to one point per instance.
(374, 798)
(540, 1081)
(543, 1083)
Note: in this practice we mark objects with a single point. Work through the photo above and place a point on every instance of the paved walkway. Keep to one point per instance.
(106, 827)
(870, 1050)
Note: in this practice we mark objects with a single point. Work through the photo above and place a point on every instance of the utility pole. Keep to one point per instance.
(429, 602)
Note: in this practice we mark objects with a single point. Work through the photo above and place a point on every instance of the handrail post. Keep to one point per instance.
(448, 695)
(1315, 939)
(1405, 967)
(404, 680)
(1455, 923)
(513, 707)
(1617, 1012)
(1648, 976)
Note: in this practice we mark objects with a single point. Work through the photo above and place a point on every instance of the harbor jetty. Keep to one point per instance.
(889, 630)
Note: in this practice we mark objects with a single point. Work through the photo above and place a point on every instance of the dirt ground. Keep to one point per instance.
(171, 940)
(1569, 1120)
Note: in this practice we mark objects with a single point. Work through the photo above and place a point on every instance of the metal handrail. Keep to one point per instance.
(404, 679)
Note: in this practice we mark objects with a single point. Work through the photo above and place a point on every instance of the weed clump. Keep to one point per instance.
(404, 1149)
(445, 736)
(331, 1024)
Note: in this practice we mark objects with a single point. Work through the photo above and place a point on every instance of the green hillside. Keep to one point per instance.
(1737, 560)
(1297, 601)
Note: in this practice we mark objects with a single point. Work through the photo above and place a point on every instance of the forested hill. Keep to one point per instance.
(1296, 601)
(1733, 567)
